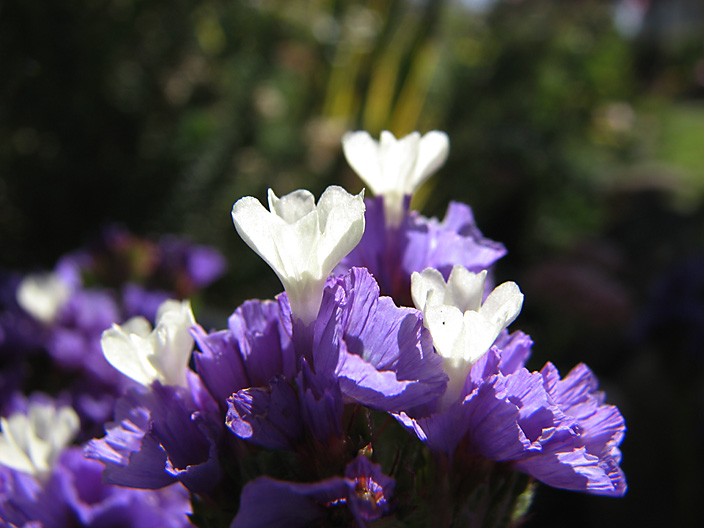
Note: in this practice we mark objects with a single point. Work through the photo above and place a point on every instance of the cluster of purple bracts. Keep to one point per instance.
(270, 384)
(331, 405)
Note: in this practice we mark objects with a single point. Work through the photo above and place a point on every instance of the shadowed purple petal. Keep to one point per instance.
(269, 503)
(157, 439)
(269, 416)
(321, 404)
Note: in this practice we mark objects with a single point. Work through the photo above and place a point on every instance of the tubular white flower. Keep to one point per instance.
(43, 295)
(147, 355)
(31, 442)
(302, 241)
(463, 328)
(392, 167)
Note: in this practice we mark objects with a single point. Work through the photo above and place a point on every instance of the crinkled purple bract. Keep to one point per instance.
(270, 503)
(380, 355)
(556, 430)
(393, 254)
(583, 453)
(160, 436)
(250, 353)
(73, 495)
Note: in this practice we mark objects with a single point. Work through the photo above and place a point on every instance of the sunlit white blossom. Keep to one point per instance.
(462, 326)
(392, 167)
(302, 241)
(31, 442)
(43, 295)
(147, 355)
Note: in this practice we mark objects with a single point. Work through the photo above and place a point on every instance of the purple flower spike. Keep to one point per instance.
(158, 438)
(269, 503)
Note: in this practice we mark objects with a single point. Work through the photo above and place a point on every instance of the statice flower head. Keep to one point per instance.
(462, 324)
(147, 355)
(395, 168)
(302, 241)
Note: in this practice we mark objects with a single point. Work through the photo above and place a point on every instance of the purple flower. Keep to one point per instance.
(73, 495)
(190, 265)
(393, 254)
(363, 494)
(557, 430)
(161, 435)
(74, 339)
(380, 354)
(20, 333)
(137, 301)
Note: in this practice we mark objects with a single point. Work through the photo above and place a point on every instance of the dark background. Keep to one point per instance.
(577, 136)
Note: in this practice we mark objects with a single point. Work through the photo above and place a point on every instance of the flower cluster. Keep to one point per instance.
(382, 384)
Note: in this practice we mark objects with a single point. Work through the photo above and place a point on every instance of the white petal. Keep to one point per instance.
(465, 289)
(32, 442)
(129, 353)
(503, 304)
(341, 220)
(174, 343)
(12, 452)
(293, 206)
(426, 285)
(259, 229)
(362, 153)
(432, 154)
(445, 324)
(42, 296)
(398, 162)
(137, 325)
(480, 334)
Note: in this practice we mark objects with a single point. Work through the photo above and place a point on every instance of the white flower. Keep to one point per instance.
(302, 241)
(392, 167)
(147, 355)
(463, 328)
(31, 442)
(43, 295)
